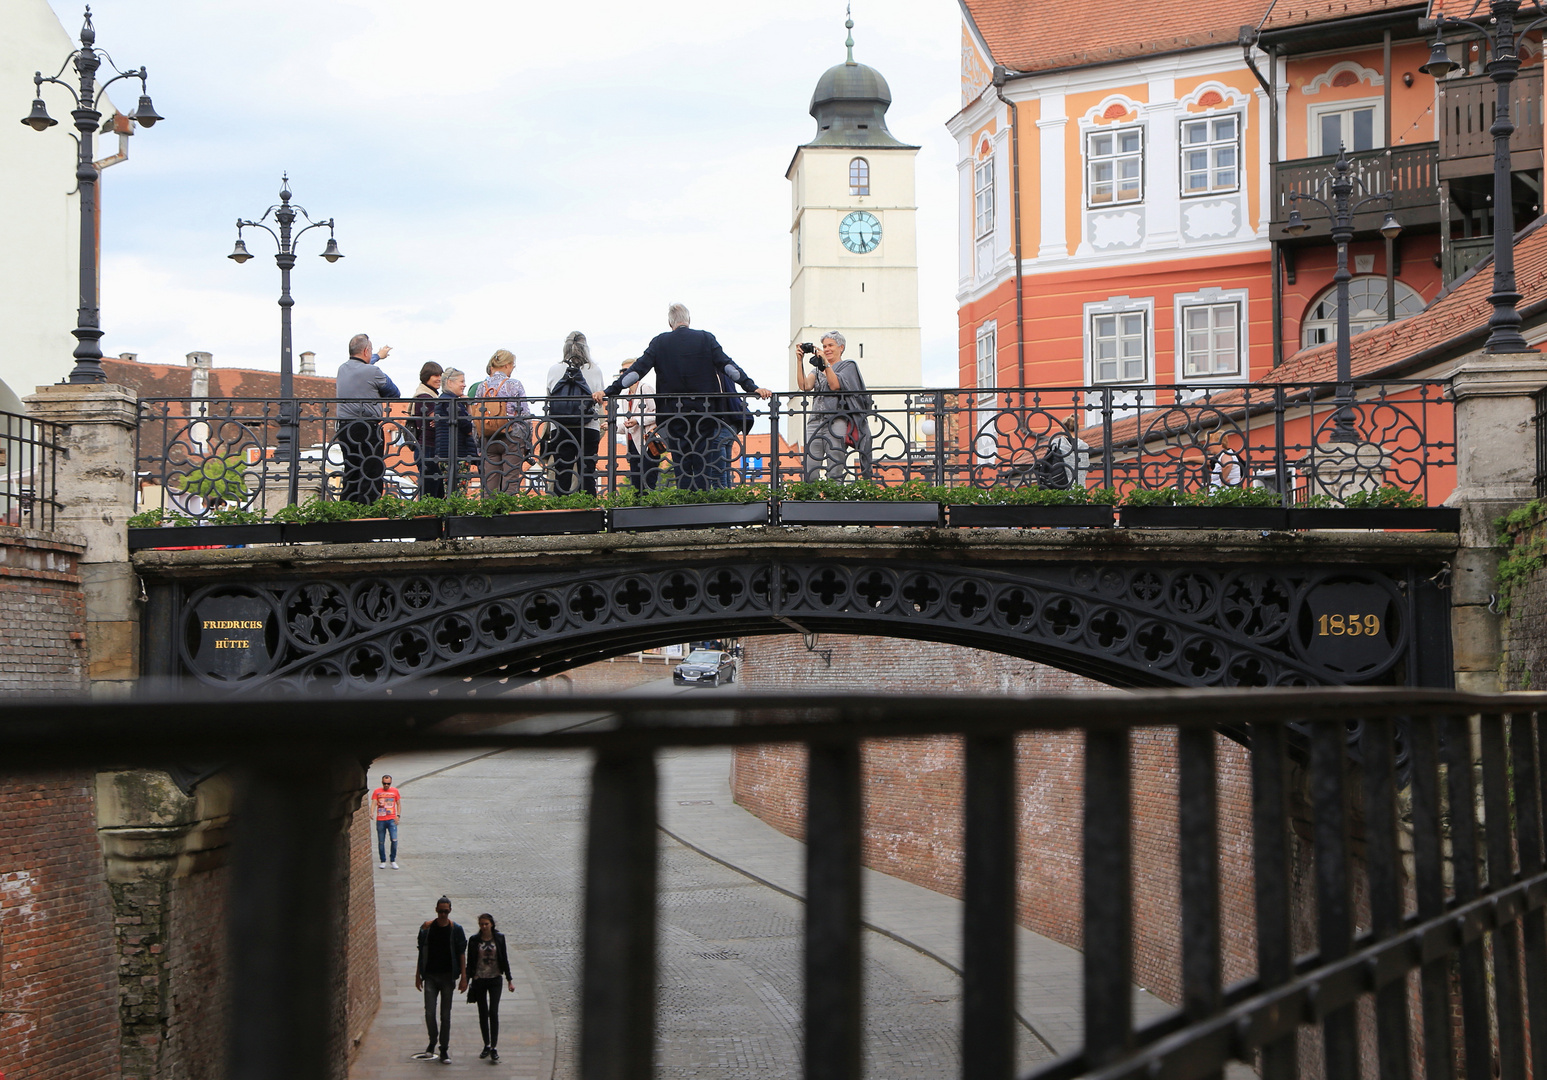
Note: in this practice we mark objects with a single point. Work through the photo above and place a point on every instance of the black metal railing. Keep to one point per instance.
(29, 465)
(1438, 873)
(198, 455)
(1539, 425)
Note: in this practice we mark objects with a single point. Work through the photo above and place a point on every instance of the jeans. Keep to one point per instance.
(443, 986)
(690, 437)
(383, 830)
(827, 449)
(486, 992)
(722, 445)
(364, 452)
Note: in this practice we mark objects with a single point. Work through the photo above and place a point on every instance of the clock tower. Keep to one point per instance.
(852, 243)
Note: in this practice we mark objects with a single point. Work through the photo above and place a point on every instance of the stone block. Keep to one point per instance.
(1473, 573)
(1477, 682)
(1477, 634)
(112, 591)
(112, 650)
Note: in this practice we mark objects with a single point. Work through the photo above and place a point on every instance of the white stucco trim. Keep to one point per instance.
(1118, 305)
(1212, 295)
(1360, 72)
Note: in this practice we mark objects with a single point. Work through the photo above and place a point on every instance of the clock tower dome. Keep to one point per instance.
(854, 259)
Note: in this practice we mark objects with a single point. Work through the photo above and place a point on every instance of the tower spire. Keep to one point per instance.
(848, 24)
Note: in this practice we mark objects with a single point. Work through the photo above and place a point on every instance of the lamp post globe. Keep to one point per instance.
(87, 95)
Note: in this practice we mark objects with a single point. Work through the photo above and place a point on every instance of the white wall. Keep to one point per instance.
(40, 230)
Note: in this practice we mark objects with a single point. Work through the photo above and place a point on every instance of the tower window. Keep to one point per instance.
(859, 177)
(983, 197)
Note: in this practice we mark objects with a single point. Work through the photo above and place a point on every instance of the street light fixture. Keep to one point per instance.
(87, 60)
(1504, 334)
(1341, 210)
(285, 215)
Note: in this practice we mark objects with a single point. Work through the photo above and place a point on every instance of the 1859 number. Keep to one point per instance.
(1348, 625)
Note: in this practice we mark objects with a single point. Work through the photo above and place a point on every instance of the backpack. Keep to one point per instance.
(570, 398)
(1051, 469)
(488, 410)
(859, 407)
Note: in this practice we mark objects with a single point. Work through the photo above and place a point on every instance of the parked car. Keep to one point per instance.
(706, 667)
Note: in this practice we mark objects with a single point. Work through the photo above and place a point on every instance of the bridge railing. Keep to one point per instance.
(195, 455)
(1425, 888)
(29, 458)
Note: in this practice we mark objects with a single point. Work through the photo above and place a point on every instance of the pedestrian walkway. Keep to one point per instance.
(697, 810)
(403, 902)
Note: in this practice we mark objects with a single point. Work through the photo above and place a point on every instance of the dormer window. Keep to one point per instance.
(859, 176)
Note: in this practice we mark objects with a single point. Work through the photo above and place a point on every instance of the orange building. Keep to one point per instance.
(1138, 171)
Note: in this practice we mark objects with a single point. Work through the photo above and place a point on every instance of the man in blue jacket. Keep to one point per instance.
(687, 365)
(442, 959)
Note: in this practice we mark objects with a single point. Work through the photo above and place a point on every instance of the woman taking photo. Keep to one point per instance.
(487, 961)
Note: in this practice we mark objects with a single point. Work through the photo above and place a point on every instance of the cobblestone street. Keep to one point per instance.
(502, 833)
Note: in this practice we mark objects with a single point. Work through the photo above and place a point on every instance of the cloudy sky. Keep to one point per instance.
(501, 172)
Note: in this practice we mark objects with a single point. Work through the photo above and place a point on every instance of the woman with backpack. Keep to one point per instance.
(574, 423)
(500, 417)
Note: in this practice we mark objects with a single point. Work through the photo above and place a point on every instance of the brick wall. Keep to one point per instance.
(57, 962)
(197, 989)
(1524, 662)
(913, 794)
(362, 982)
(42, 614)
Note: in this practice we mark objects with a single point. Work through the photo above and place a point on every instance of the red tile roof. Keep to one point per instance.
(1454, 322)
(1044, 35)
(173, 381)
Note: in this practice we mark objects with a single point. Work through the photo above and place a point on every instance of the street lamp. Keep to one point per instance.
(88, 328)
(285, 215)
(1504, 334)
(1342, 210)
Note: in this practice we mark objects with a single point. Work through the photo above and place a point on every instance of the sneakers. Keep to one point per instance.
(484, 1054)
(445, 1058)
(494, 1056)
(394, 866)
(383, 866)
(427, 1054)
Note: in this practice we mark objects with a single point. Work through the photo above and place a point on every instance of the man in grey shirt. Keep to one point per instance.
(359, 421)
(839, 418)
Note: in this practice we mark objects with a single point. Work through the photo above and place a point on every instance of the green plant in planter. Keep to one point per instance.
(670, 496)
(1214, 497)
(319, 511)
(1385, 497)
(237, 517)
(151, 519)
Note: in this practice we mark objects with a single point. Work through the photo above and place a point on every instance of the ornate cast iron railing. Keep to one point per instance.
(29, 454)
(195, 455)
(1428, 896)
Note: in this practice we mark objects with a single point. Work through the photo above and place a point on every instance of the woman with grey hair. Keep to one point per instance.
(574, 432)
(456, 448)
(839, 416)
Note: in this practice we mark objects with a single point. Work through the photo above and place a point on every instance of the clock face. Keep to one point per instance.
(860, 232)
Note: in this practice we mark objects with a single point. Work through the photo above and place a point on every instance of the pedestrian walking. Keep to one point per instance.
(359, 420)
(487, 960)
(388, 802)
(574, 424)
(687, 365)
(456, 448)
(442, 962)
(421, 429)
(840, 412)
(644, 442)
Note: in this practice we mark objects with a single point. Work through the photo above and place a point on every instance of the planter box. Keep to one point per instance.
(970, 516)
(1204, 517)
(364, 531)
(528, 523)
(690, 516)
(822, 512)
(166, 536)
(1430, 518)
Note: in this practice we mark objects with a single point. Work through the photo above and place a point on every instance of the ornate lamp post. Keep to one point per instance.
(285, 217)
(87, 60)
(1342, 210)
(1504, 324)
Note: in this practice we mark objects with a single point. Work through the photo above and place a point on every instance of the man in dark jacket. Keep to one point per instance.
(687, 365)
(442, 959)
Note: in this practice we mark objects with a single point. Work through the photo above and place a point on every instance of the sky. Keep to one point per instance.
(501, 172)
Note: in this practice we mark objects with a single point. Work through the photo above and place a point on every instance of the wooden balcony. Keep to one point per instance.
(1410, 172)
(1467, 108)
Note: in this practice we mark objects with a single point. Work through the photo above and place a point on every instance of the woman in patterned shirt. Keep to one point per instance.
(487, 960)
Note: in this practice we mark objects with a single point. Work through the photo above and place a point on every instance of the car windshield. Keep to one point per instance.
(702, 656)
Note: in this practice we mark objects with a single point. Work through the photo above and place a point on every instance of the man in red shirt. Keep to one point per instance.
(388, 802)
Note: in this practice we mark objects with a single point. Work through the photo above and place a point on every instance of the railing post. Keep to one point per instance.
(1509, 1010)
(1429, 890)
(1476, 1043)
(1280, 451)
(832, 963)
(1198, 826)
(939, 407)
(1271, 870)
(773, 445)
(617, 1026)
(1384, 868)
(988, 923)
(612, 445)
(1334, 907)
(1108, 901)
(1106, 438)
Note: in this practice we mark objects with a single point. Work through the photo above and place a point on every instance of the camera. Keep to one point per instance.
(806, 347)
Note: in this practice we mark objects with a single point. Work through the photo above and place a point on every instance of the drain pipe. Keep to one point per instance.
(1001, 76)
(1249, 38)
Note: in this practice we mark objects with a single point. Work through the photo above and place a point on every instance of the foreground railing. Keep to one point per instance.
(196, 456)
(29, 454)
(1439, 873)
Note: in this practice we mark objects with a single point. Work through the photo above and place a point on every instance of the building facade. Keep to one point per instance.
(1140, 177)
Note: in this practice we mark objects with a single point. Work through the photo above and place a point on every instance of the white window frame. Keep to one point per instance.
(1209, 146)
(1091, 160)
(1213, 297)
(859, 189)
(1119, 306)
(987, 333)
(1314, 113)
(983, 198)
